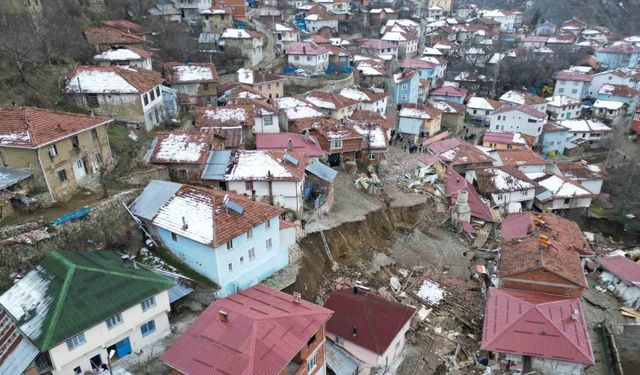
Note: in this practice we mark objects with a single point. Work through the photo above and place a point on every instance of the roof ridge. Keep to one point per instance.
(117, 273)
(575, 345)
(505, 328)
(57, 310)
(369, 321)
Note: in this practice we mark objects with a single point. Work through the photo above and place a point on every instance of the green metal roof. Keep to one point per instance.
(71, 291)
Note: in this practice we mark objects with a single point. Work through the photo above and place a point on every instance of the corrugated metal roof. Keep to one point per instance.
(58, 299)
(215, 168)
(10, 176)
(339, 361)
(179, 290)
(322, 171)
(153, 197)
(18, 352)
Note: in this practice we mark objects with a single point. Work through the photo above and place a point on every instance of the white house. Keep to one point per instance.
(127, 94)
(274, 177)
(563, 107)
(286, 35)
(518, 97)
(508, 188)
(479, 109)
(510, 20)
(519, 119)
(591, 132)
(128, 56)
(609, 110)
(589, 176)
(572, 83)
(560, 193)
(315, 22)
(308, 56)
(228, 238)
(361, 325)
(72, 309)
(249, 43)
(621, 275)
(369, 99)
(526, 161)
(621, 76)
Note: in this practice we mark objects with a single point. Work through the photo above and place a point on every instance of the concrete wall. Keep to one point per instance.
(99, 337)
(287, 194)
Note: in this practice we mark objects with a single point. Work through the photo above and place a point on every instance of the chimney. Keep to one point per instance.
(297, 297)
(223, 316)
(59, 127)
(355, 290)
(355, 330)
(185, 226)
(289, 145)
(575, 314)
(304, 50)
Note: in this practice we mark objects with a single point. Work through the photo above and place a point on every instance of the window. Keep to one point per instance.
(561, 90)
(248, 185)
(372, 156)
(145, 97)
(403, 97)
(148, 303)
(76, 341)
(153, 95)
(114, 320)
(267, 224)
(94, 135)
(205, 86)
(269, 244)
(241, 260)
(311, 364)
(252, 254)
(404, 86)
(148, 328)
(339, 340)
(277, 84)
(475, 112)
(267, 120)
(308, 58)
(62, 175)
(75, 142)
(92, 101)
(574, 91)
(77, 370)
(174, 236)
(499, 117)
(566, 201)
(268, 86)
(158, 91)
(336, 143)
(53, 151)
(532, 120)
(296, 58)
(230, 267)
(229, 244)
(250, 233)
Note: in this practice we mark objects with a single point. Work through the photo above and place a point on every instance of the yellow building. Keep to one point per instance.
(268, 84)
(64, 151)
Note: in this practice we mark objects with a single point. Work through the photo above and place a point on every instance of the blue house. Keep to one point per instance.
(407, 85)
(553, 139)
(620, 93)
(228, 238)
(619, 55)
(425, 69)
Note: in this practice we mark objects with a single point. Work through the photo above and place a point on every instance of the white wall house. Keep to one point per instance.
(622, 276)
(249, 42)
(479, 109)
(315, 22)
(508, 192)
(308, 56)
(369, 99)
(563, 107)
(122, 323)
(131, 95)
(622, 76)
(559, 193)
(590, 131)
(572, 84)
(519, 119)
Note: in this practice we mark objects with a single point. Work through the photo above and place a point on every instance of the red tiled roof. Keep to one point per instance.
(635, 126)
(618, 90)
(625, 269)
(265, 330)
(516, 158)
(498, 137)
(31, 127)
(450, 91)
(142, 80)
(333, 129)
(622, 48)
(527, 254)
(279, 141)
(338, 100)
(456, 183)
(127, 26)
(417, 64)
(376, 320)
(570, 75)
(109, 35)
(457, 152)
(306, 48)
(376, 44)
(285, 224)
(536, 325)
(230, 115)
(560, 231)
(524, 108)
(444, 145)
(172, 147)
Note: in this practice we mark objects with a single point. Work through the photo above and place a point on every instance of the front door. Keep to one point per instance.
(334, 160)
(78, 169)
(96, 362)
(123, 348)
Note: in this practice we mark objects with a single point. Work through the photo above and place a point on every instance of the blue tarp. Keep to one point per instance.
(307, 190)
(77, 214)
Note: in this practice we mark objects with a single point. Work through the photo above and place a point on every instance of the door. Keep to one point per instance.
(96, 362)
(78, 169)
(334, 160)
(123, 348)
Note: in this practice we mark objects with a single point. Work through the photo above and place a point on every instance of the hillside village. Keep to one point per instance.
(316, 187)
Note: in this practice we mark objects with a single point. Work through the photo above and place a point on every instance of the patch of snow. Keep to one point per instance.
(100, 82)
(192, 73)
(180, 148)
(354, 93)
(226, 114)
(22, 137)
(120, 54)
(254, 165)
(431, 293)
(375, 135)
(235, 34)
(414, 113)
(321, 103)
(197, 211)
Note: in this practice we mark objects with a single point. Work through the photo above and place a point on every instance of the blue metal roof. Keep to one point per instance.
(340, 362)
(10, 176)
(19, 358)
(321, 171)
(153, 197)
(178, 291)
(215, 167)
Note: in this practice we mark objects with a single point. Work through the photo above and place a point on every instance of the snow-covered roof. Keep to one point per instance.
(259, 165)
(585, 126)
(297, 109)
(180, 148)
(191, 73)
(225, 114)
(96, 81)
(375, 136)
(483, 104)
(562, 101)
(430, 51)
(414, 113)
(281, 27)
(236, 34)
(563, 188)
(496, 180)
(119, 54)
(608, 104)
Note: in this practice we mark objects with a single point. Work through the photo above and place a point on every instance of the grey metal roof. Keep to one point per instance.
(321, 171)
(19, 358)
(178, 291)
(10, 176)
(215, 167)
(340, 362)
(153, 197)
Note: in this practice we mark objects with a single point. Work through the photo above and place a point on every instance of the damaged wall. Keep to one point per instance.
(108, 225)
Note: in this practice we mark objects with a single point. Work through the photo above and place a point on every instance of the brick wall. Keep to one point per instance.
(542, 282)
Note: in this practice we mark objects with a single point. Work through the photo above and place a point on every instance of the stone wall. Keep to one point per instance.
(320, 83)
(109, 225)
